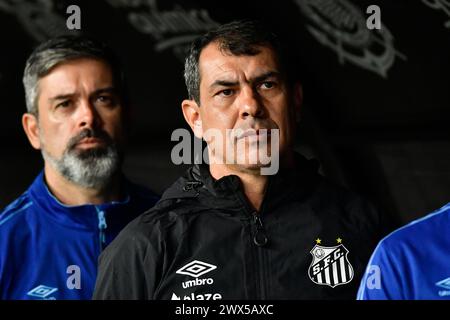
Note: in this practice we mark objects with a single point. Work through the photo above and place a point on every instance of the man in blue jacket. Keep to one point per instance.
(412, 263)
(77, 111)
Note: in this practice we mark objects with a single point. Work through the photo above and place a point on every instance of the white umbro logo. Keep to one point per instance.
(41, 291)
(444, 283)
(196, 268)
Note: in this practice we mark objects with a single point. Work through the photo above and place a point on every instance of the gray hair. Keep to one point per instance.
(238, 38)
(62, 49)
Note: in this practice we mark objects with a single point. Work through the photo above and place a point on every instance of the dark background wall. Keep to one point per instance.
(376, 102)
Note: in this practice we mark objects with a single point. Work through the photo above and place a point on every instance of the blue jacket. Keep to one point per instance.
(412, 262)
(49, 250)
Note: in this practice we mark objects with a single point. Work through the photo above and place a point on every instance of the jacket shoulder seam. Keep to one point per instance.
(13, 211)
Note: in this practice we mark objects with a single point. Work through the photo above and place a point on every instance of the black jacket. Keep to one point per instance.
(204, 241)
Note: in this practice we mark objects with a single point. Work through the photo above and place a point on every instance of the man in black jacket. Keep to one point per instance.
(226, 230)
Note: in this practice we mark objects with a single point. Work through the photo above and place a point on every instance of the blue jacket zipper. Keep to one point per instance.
(101, 227)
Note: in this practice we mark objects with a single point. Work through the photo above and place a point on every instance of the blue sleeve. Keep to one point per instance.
(382, 279)
(3, 253)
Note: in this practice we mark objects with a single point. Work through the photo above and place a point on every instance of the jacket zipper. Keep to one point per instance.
(101, 227)
(260, 239)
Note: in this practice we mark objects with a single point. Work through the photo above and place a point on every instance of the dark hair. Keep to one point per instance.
(61, 49)
(242, 37)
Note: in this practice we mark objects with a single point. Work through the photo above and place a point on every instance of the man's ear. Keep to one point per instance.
(191, 114)
(298, 100)
(31, 128)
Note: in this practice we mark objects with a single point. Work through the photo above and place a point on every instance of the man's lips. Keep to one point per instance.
(254, 133)
(90, 141)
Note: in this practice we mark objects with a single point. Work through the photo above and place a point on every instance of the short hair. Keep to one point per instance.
(243, 37)
(56, 51)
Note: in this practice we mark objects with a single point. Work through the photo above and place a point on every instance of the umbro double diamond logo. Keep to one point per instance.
(196, 268)
(41, 292)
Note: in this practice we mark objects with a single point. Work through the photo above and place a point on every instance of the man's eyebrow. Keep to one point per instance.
(70, 95)
(259, 78)
(264, 76)
(105, 90)
(61, 97)
(223, 83)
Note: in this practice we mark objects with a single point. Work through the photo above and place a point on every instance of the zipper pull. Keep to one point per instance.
(102, 226)
(101, 220)
(260, 237)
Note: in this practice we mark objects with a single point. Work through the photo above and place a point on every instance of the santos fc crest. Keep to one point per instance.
(330, 265)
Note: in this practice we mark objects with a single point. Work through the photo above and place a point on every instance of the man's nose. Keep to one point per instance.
(88, 115)
(250, 103)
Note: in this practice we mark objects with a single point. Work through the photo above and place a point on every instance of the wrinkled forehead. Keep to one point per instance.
(215, 64)
(67, 74)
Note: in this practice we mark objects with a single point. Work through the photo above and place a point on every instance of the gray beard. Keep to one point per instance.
(93, 168)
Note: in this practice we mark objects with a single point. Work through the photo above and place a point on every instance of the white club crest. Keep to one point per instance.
(330, 266)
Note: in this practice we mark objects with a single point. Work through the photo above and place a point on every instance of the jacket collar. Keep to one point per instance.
(83, 216)
(197, 182)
